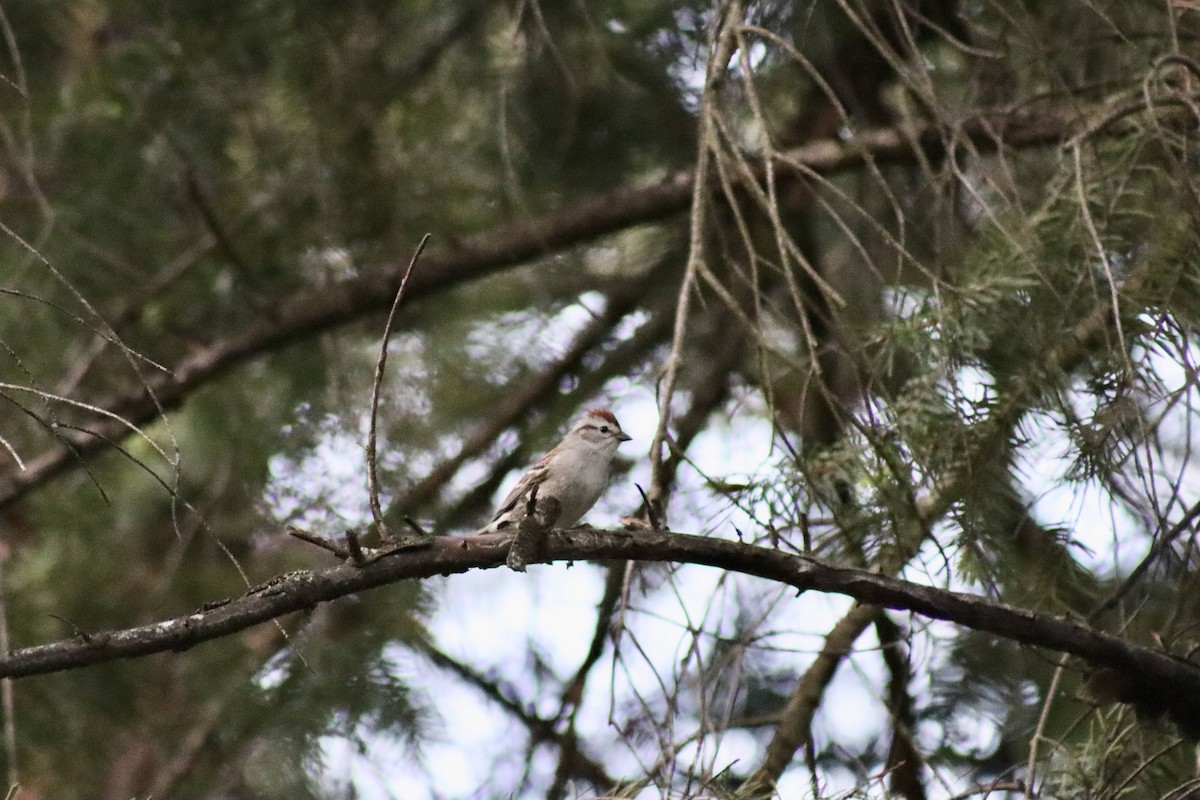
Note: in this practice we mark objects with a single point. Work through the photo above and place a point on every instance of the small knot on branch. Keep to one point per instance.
(531, 531)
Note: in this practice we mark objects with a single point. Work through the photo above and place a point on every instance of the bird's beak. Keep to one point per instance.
(624, 437)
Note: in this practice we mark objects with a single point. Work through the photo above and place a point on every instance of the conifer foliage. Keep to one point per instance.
(899, 299)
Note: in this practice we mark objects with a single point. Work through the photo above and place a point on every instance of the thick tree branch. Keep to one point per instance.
(445, 556)
(314, 311)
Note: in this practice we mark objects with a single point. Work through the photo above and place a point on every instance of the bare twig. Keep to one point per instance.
(319, 541)
(380, 365)
(1101, 255)
(415, 527)
(995, 787)
(795, 727)
(541, 730)
(1039, 733)
(572, 696)
(618, 577)
(721, 51)
(1161, 544)
(655, 522)
(6, 685)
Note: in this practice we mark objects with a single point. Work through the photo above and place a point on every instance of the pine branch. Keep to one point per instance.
(314, 311)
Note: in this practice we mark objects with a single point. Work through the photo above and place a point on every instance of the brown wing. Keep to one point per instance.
(535, 475)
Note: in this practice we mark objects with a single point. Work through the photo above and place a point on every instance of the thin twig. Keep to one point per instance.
(1101, 254)
(319, 541)
(541, 730)
(372, 476)
(1160, 546)
(6, 687)
(1040, 731)
(795, 727)
(995, 786)
(722, 51)
(80, 633)
(655, 522)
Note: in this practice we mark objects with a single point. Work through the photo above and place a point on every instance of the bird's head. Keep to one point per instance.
(599, 430)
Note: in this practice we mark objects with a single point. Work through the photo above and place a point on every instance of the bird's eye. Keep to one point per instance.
(604, 429)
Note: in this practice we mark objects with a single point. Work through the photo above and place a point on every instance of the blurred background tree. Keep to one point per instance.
(932, 310)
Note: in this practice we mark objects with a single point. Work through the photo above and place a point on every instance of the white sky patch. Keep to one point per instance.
(372, 777)
(325, 487)
(533, 338)
(464, 753)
